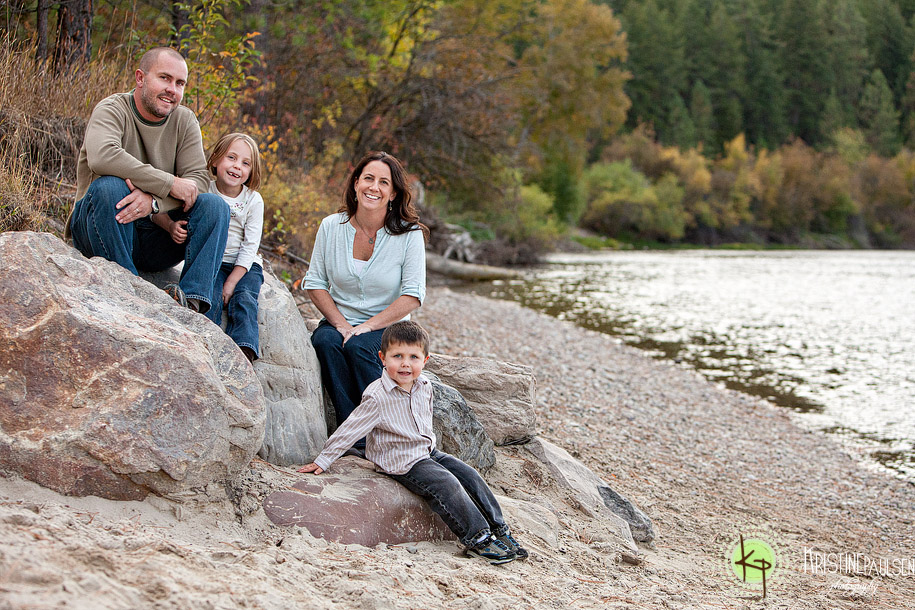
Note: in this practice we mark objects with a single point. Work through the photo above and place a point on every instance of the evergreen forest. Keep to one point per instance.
(530, 123)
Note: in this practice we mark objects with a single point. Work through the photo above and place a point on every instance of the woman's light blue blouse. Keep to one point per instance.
(397, 267)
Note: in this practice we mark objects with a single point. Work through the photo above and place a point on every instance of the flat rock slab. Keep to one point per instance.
(353, 504)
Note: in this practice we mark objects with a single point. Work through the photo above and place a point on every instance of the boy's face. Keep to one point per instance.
(404, 362)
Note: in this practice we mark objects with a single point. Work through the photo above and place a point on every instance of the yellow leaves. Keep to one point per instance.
(328, 115)
(572, 68)
(692, 168)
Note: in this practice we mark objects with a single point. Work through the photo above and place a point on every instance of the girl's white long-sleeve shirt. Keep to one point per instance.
(246, 224)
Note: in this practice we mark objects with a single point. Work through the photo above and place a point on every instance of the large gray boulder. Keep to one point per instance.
(501, 394)
(457, 430)
(291, 378)
(289, 373)
(592, 495)
(107, 386)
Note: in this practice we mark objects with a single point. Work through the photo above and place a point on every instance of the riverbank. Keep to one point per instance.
(706, 464)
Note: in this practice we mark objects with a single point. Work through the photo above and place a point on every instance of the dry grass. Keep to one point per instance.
(42, 119)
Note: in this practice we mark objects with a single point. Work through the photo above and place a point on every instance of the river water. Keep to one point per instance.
(828, 334)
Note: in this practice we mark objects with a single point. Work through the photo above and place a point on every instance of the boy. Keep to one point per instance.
(395, 416)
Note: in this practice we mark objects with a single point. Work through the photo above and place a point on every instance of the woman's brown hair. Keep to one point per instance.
(401, 215)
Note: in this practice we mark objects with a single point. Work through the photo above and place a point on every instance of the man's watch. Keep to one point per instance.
(155, 206)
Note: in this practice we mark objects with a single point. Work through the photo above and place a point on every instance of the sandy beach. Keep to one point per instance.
(706, 464)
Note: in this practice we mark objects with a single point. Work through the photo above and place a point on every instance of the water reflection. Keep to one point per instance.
(828, 334)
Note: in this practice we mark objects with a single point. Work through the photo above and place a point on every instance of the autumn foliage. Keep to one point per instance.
(528, 117)
(793, 195)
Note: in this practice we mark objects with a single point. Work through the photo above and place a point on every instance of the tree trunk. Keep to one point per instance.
(179, 19)
(41, 49)
(74, 29)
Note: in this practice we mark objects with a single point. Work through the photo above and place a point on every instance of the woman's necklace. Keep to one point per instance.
(372, 238)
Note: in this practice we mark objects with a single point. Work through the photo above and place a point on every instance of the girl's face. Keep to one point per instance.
(374, 187)
(233, 169)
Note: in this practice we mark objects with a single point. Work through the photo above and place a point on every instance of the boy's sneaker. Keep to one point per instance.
(492, 551)
(512, 545)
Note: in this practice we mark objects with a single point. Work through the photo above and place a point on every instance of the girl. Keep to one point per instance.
(236, 166)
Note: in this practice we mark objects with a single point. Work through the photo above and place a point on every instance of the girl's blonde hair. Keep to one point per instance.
(222, 147)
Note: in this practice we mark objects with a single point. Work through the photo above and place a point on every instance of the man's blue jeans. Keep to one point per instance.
(458, 494)
(346, 370)
(143, 245)
(242, 308)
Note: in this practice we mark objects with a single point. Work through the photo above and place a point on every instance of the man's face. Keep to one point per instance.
(162, 88)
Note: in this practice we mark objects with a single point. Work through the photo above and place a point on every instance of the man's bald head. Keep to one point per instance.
(150, 58)
(160, 80)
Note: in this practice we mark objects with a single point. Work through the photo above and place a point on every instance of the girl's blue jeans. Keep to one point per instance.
(241, 310)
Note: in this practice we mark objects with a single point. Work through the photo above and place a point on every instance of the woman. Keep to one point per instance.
(367, 271)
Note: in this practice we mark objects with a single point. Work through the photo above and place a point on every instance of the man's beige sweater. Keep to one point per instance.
(119, 142)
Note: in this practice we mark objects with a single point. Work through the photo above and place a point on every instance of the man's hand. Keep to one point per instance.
(311, 468)
(185, 190)
(137, 204)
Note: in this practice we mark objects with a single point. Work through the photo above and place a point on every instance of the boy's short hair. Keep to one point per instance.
(407, 332)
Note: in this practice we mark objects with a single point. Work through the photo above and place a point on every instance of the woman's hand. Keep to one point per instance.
(360, 329)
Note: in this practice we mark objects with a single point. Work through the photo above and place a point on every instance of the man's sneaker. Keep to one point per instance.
(512, 545)
(175, 292)
(492, 551)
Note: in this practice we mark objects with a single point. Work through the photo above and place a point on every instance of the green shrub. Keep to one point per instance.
(622, 201)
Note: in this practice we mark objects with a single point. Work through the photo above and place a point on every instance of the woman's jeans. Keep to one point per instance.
(242, 308)
(143, 245)
(346, 370)
(458, 494)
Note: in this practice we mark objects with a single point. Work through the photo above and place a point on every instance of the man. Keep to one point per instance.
(142, 154)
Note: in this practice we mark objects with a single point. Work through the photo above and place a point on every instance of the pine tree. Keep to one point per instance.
(890, 42)
(765, 101)
(808, 78)
(702, 113)
(656, 63)
(849, 57)
(834, 118)
(907, 108)
(683, 130)
(878, 116)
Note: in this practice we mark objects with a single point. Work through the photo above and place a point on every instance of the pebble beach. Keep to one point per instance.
(706, 464)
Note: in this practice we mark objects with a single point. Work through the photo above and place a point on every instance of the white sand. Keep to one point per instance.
(705, 463)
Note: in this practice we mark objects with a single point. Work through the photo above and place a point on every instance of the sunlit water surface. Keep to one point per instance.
(829, 334)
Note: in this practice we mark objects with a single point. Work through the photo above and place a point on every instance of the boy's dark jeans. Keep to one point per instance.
(458, 494)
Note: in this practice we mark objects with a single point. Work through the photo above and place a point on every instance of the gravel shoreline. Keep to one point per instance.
(705, 463)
